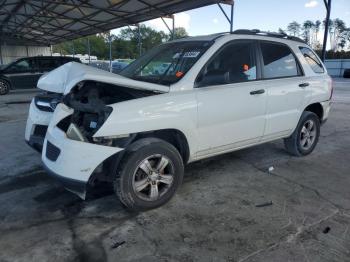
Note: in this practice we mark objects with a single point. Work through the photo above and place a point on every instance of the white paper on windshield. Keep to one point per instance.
(191, 54)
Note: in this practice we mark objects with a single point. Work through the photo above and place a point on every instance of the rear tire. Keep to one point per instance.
(305, 137)
(4, 87)
(149, 174)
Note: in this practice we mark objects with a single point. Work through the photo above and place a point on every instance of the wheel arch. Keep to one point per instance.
(7, 80)
(317, 109)
(173, 136)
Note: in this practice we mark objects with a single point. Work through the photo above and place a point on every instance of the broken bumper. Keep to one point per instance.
(72, 185)
(71, 161)
(36, 126)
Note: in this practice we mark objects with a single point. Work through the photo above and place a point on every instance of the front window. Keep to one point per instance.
(23, 65)
(233, 64)
(168, 63)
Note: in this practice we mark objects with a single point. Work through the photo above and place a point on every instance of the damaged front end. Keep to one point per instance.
(90, 102)
(71, 152)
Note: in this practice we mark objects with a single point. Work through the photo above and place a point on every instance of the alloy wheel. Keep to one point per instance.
(3, 87)
(153, 177)
(308, 135)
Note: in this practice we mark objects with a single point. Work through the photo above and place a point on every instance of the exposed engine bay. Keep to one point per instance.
(90, 102)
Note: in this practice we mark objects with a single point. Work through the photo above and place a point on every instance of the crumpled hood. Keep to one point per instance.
(65, 77)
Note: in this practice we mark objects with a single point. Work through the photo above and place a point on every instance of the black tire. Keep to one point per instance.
(129, 169)
(294, 143)
(4, 87)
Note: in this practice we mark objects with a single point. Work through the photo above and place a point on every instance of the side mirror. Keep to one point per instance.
(215, 77)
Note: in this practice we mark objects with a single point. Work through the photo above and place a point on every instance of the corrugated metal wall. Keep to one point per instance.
(10, 52)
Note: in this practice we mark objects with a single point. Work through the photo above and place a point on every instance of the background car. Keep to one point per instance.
(103, 65)
(24, 73)
(118, 66)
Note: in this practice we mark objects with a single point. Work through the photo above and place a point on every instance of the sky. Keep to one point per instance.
(266, 15)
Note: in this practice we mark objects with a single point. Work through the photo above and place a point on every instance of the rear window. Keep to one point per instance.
(279, 61)
(312, 59)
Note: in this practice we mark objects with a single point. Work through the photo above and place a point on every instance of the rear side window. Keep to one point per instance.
(279, 61)
(312, 60)
(47, 64)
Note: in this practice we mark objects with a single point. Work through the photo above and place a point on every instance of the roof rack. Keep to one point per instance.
(270, 34)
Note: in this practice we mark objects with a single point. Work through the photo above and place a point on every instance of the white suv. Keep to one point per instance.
(219, 93)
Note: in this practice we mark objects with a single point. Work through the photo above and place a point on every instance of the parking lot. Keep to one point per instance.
(229, 208)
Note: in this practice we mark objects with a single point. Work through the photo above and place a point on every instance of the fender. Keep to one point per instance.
(176, 110)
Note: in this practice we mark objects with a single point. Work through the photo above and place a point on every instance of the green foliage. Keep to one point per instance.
(339, 34)
(124, 45)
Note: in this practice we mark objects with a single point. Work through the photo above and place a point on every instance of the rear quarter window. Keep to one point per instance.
(312, 59)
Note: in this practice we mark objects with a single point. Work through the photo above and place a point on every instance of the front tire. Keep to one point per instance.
(4, 87)
(149, 174)
(305, 137)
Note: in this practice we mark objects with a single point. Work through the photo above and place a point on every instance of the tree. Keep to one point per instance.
(149, 39)
(317, 29)
(180, 32)
(124, 45)
(294, 28)
(307, 27)
(281, 31)
(338, 33)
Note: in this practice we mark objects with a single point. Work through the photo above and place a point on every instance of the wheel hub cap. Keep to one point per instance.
(154, 176)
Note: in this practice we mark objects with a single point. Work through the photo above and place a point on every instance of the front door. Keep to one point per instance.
(22, 74)
(231, 103)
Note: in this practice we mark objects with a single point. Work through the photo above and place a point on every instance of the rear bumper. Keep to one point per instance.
(326, 105)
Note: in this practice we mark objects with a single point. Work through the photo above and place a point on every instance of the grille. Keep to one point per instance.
(52, 151)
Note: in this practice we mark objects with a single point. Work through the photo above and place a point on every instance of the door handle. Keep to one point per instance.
(303, 85)
(258, 92)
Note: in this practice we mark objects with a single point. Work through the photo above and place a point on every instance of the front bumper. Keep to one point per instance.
(36, 126)
(75, 186)
(73, 162)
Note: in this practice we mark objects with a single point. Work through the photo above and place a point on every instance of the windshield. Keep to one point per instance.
(167, 63)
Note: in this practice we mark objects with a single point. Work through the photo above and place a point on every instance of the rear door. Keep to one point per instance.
(231, 103)
(283, 77)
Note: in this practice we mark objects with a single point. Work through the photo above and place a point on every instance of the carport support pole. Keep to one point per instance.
(173, 31)
(231, 20)
(88, 43)
(139, 39)
(1, 61)
(328, 8)
(110, 52)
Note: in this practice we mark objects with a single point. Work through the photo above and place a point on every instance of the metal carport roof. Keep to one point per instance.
(52, 21)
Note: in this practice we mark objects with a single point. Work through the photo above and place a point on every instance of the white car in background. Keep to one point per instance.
(137, 130)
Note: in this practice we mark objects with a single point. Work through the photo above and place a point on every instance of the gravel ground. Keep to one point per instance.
(213, 216)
